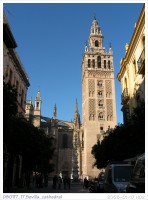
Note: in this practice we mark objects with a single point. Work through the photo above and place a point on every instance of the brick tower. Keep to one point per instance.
(98, 95)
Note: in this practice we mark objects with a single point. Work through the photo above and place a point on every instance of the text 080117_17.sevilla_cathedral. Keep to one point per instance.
(73, 140)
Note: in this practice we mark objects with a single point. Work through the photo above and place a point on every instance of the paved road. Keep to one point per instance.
(75, 188)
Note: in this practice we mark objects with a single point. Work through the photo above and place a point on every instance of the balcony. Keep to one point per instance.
(125, 96)
(141, 63)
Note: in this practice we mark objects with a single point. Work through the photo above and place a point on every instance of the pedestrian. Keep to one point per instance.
(85, 183)
(59, 182)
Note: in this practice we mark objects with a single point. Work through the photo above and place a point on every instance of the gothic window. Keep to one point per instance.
(93, 63)
(88, 63)
(105, 64)
(96, 43)
(108, 64)
(99, 61)
(65, 141)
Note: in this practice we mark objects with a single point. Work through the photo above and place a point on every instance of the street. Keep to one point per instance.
(75, 188)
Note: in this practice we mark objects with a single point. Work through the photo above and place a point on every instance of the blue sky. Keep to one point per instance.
(51, 40)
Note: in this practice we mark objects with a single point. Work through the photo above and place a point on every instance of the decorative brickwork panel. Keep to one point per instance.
(92, 110)
(108, 88)
(109, 106)
(91, 87)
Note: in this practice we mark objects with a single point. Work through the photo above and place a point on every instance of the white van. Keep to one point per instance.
(117, 177)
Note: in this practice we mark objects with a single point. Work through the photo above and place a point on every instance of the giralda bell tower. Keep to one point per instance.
(98, 95)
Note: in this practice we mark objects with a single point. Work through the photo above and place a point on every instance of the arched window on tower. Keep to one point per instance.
(88, 63)
(100, 94)
(100, 104)
(101, 116)
(99, 61)
(37, 105)
(105, 64)
(108, 64)
(65, 141)
(96, 43)
(93, 63)
(100, 84)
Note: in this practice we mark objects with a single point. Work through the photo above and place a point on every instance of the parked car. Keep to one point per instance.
(137, 182)
(116, 177)
(100, 184)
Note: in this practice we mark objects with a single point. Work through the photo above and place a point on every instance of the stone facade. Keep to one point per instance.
(15, 74)
(13, 70)
(132, 69)
(98, 95)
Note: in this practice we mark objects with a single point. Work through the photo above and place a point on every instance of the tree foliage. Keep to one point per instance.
(22, 138)
(122, 142)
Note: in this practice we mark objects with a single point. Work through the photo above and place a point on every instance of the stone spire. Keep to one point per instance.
(37, 110)
(96, 37)
(95, 29)
(55, 112)
(76, 116)
(76, 143)
(38, 101)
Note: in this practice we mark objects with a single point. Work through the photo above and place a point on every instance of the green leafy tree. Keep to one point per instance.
(124, 141)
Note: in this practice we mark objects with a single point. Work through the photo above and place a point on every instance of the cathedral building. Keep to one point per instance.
(66, 158)
(73, 140)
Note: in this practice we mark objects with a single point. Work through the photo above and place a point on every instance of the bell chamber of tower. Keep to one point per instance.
(98, 95)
